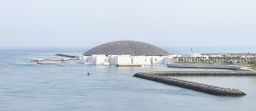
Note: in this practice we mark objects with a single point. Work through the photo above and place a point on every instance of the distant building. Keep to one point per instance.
(126, 53)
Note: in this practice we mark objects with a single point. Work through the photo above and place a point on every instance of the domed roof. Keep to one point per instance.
(134, 48)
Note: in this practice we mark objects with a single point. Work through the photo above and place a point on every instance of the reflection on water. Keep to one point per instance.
(31, 87)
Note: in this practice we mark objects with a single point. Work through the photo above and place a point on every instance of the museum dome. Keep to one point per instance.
(134, 48)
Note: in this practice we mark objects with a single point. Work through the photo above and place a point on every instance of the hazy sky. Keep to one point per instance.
(167, 23)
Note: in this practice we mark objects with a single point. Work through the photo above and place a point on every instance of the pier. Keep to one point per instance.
(52, 61)
(201, 73)
(204, 66)
(65, 55)
(166, 77)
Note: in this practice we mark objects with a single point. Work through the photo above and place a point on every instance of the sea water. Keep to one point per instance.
(26, 86)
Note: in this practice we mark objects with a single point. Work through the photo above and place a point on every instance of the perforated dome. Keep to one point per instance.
(134, 48)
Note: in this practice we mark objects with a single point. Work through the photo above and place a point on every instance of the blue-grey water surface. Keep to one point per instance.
(25, 86)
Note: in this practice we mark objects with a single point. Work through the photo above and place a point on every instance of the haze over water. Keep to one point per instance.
(165, 23)
(26, 86)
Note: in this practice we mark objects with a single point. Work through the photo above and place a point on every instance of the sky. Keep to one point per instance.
(165, 23)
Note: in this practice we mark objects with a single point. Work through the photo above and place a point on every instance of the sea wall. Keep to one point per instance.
(203, 73)
(166, 77)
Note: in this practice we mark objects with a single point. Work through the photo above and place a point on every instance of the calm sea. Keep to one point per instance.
(25, 86)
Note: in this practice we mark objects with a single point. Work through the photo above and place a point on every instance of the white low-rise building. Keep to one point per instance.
(126, 60)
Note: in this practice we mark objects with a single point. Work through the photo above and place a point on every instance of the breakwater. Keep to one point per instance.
(65, 55)
(166, 77)
(204, 66)
(202, 73)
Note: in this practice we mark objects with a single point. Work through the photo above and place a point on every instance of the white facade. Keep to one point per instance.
(125, 60)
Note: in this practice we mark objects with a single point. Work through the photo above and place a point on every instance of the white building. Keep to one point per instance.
(126, 53)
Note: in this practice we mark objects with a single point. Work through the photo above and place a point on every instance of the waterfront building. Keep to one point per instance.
(130, 53)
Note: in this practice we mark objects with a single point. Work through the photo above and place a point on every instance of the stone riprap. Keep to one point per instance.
(166, 78)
